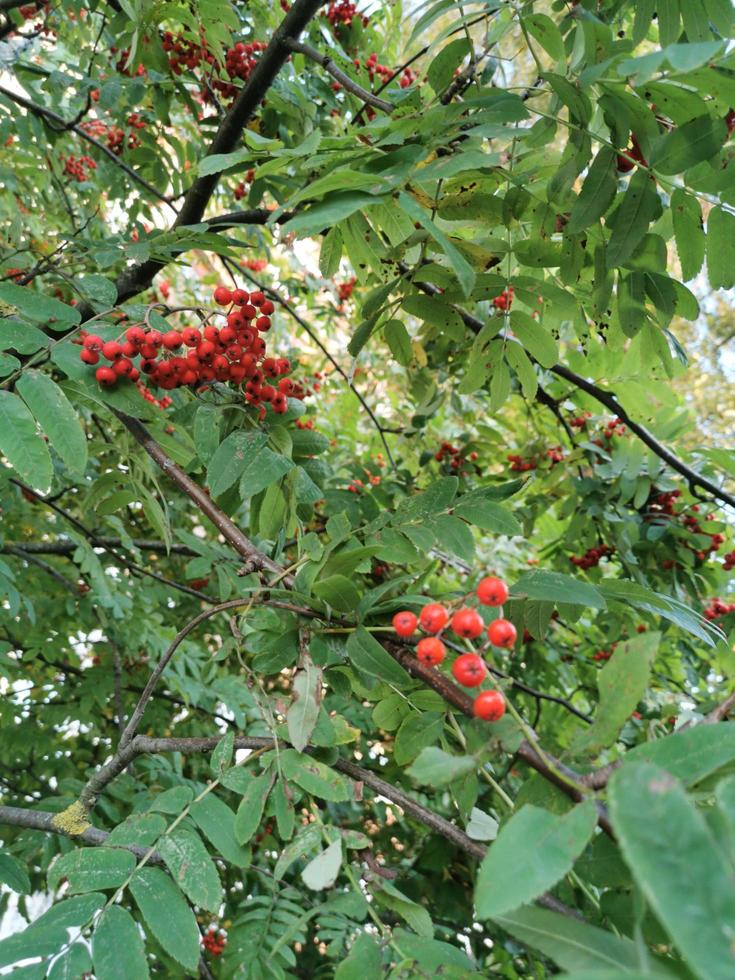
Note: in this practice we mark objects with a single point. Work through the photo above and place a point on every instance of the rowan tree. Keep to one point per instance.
(366, 543)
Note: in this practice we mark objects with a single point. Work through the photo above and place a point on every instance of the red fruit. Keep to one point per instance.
(489, 705)
(88, 356)
(266, 307)
(430, 651)
(433, 617)
(467, 623)
(190, 336)
(404, 623)
(123, 366)
(172, 340)
(222, 296)
(248, 310)
(111, 350)
(93, 342)
(263, 323)
(257, 298)
(105, 376)
(492, 591)
(239, 296)
(135, 335)
(469, 669)
(502, 633)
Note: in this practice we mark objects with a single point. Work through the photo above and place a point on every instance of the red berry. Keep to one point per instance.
(93, 342)
(239, 296)
(190, 336)
(135, 335)
(88, 356)
(404, 623)
(111, 350)
(105, 376)
(489, 705)
(469, 669)
(430, 651)
(266, 307)
(172, 340)
(467, 623)
(502, 633)
(433, 617)
(122, 366)
(257, 298)
(222, 296)
(492, 591)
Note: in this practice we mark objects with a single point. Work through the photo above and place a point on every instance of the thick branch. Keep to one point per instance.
(339, 76)
(69, 547)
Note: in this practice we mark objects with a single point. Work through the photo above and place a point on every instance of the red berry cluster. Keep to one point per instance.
(345, 289)
(241, 189)
(631, 157)
(455, 456)
(504, 301)
(520, 465)
(580, 421)
(184, 53)
(718, 607)
(214, 940)
(255, 265)
(240, 60)
(555, 454)
(235, 352)
(592, 557)
(121, 64)
(660, 503)
(341, 13)
(605, 654)
(77, 167)
(729, 561)
(466, 622)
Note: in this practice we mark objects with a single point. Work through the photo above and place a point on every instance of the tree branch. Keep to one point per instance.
(69, 547)
(344, 80)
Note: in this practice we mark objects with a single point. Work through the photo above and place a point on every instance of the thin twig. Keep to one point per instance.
(339, 76)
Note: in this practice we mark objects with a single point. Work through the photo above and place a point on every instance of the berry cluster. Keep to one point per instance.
(604, 654)
(341, 13)
(240, 60)
(663, 504)
(455, 457)
(214, 940)
(520, 465)
(345, 289)
(77, 167)
(469, 669)
(718, 607)
(504, 301)
(241, 189)
(729, 561)
(580, 421)
(235, 352)
(592, 557)
(255, 265)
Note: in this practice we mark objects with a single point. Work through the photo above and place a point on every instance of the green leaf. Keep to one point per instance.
(21, 445)
(74, 962)
(415, 915)
(49, 933)
(442, 68)
(250, 811)
(339, 592)
(330, 253)
(533, 851)
(399, 342)
(57, 418)
(192, 868)
(417, 731)
(327, 213)
(233, 455)
(439, 314)
(218, 162)
(307, 839)
(222, 754)
(630, 221)
(688, 144)
(261, 470)
(597, 194)
(721, 248)
(364, 961)
(453, 536)
(571, 944)
(683, 861)
(686, 215)
(14, 874)
(461, 267)
(316, 778)
(167, 915)
(304, 709)
(91, 869)
(546, 33)
(622, 683)
(321, 872)
(536, 339)
(369, 657)
(117, 947)
(556, 587)
(488, 515)
(21, 337)
(43, 309)
(217, 822)
(172, 800)
(435, 767)
(437, 497)
(691, 754)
